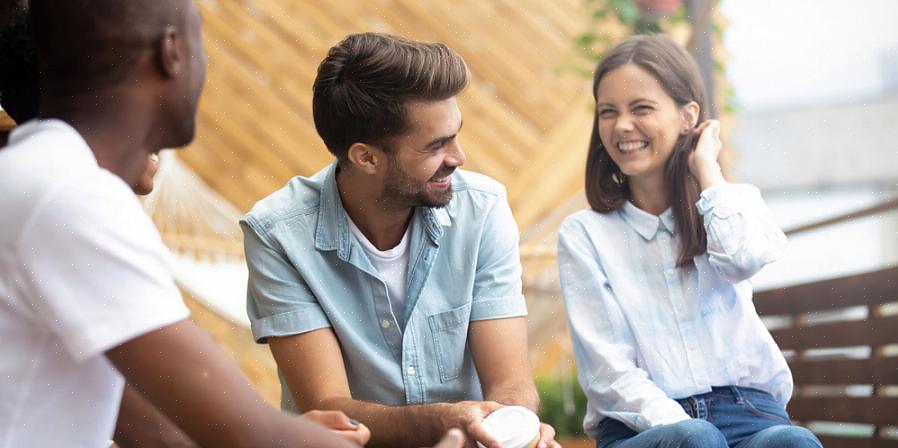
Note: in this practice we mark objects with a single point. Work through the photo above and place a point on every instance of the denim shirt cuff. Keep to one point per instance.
(497, 308)
(290, 323)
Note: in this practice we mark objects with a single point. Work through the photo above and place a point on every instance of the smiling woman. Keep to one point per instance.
(669, 349)
(648, 85)
(640, 122)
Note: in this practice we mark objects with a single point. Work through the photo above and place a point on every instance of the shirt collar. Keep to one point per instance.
(435, 219)
(333, 232)
(646, 224)
(31, 128)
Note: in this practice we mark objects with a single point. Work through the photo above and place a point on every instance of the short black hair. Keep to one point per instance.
(363, 84)
(19, 76)
(87, 44)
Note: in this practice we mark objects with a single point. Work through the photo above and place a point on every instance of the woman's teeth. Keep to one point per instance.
(631, 146)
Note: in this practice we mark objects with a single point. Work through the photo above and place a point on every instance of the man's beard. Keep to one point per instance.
(402, 190)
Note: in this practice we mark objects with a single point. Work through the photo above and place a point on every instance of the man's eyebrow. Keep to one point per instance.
(440, 140)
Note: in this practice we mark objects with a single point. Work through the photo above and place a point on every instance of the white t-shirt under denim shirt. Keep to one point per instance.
(392, 264)
(646, 332)
(82, 270)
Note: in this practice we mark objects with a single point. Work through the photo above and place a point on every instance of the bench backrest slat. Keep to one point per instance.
(875, 410)
(871, 331)
(872, 288)
(856, 442)
(846, 371)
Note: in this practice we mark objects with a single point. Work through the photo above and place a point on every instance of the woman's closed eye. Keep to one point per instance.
(643, 109)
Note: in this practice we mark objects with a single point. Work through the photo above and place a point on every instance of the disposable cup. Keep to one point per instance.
(513, 427)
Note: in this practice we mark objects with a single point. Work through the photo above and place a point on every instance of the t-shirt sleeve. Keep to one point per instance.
(98, 271)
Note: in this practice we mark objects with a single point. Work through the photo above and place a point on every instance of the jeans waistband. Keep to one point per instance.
(737, 392)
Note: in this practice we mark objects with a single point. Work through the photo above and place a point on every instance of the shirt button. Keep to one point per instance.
(385, 324)
(411, 370)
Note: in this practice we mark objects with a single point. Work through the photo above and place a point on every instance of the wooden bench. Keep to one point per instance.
(856, 389)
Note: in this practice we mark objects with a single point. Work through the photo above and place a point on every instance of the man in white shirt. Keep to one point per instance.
(87, 298)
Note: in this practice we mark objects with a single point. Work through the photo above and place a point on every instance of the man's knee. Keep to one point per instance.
(695, 434)
(787, 436)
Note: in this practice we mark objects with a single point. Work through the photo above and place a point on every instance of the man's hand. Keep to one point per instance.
(341, 424)
(547, 437)
(468, 415)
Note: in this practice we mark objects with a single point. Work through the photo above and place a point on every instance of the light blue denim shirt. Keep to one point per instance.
(308, 271)
(646, 332)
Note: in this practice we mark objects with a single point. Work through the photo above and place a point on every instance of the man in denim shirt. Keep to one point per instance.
(388, 285)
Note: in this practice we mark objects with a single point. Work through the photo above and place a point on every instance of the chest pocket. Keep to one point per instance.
(450, 335)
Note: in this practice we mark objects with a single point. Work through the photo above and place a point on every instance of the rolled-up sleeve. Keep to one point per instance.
(497, 282)
(604, 346)
(278, 300)
(742, 235)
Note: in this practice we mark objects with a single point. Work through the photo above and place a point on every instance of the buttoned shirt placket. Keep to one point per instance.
(402, 339)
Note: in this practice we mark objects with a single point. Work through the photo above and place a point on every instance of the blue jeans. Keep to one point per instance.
(734, 417)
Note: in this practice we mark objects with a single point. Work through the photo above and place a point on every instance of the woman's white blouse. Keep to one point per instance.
(646, 332)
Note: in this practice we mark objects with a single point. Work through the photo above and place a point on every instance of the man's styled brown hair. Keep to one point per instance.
(606, 186)
(363, 84)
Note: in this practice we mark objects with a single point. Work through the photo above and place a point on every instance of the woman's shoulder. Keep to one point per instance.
(589, 221)
(592, 217)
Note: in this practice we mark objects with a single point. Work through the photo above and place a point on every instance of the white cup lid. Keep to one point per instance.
(512, 426)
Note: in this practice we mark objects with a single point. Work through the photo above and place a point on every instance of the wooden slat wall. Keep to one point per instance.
(522, 112)
(834, 373)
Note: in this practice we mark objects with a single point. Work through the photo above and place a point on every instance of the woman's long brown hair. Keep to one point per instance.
(607, 188)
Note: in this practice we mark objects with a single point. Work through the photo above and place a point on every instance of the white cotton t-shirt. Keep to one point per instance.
(82, 270)
(391, 264)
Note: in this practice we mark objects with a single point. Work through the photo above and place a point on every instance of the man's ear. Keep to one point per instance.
(169, 56)
(367, 158)
(689, 114)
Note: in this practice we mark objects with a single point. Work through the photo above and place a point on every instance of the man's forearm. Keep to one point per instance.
(140, 424)
(394, 426)
(515, 393)
(194, 384)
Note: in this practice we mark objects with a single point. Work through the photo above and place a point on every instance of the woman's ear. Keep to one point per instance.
(689, 114)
